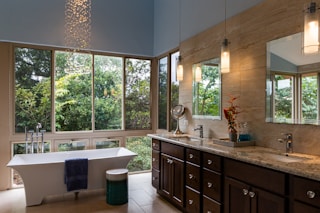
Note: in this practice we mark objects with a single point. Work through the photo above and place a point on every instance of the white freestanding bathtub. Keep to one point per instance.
(43, 173)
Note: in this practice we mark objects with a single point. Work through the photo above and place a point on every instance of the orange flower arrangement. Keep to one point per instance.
(230, 114)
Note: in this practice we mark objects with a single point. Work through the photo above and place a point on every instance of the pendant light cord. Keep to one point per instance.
(225, 18)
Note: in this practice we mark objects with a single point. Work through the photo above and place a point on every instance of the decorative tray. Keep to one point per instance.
(227, 142)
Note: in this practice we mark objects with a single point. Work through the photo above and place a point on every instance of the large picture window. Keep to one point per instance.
(88, 91)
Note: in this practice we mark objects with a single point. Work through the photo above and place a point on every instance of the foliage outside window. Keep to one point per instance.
(168, 90)
(141, 146)
(137, 94)
(32, 88)
(108, 92)
(163, 93)
(84, 99)
(174, 95)
(283, 98)
(206, 96)
(309, 97)
(73, 85)
(300, 108)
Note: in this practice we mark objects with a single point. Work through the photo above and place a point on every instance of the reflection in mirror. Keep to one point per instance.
(292, 87)
(206, 97)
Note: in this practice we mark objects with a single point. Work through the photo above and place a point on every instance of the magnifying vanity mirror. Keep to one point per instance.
(206, 91)
(292, 84)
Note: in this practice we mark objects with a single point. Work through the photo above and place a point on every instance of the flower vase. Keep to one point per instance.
(233, 136)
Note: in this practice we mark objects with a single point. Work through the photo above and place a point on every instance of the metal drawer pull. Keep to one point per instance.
(191, 176)
(153, 144)
(209, 185)
(252, 194)
(153, 159)
(190, 156)
(245, 191)
(209, 162)
(209, 211)
(190, 202)
(169, 161)
(311, 194)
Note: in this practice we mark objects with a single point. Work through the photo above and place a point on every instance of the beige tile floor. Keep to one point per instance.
(142, 199)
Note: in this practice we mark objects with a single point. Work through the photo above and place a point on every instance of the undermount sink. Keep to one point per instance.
(185, 138)
(284, 157)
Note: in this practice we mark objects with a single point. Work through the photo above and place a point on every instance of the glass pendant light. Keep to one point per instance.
(311, 29)
(225, 52)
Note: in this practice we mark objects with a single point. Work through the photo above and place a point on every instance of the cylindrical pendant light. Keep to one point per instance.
(311, 35)
(198, 74)
(179, 69)
(225, 57)
(225, 52)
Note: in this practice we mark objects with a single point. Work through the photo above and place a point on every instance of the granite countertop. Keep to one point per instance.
(294, 163)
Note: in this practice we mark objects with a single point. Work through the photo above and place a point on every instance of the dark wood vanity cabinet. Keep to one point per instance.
(155, 163)
(253, 189)
(172, 171)
(198, 181)
(193, 181)
(306, 195)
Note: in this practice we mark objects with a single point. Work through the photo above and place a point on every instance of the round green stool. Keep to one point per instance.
(117, 186)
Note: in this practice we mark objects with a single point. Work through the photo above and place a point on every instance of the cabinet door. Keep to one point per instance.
(236, 197)
(165, 173)
(265, 202)
(172, 179)
(177, 181)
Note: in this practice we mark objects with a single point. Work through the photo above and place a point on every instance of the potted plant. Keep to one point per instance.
(230, 114)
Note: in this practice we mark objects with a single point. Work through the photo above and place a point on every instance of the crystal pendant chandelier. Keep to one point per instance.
(77, 24)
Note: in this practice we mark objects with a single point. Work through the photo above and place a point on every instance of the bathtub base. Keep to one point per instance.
(45, 179)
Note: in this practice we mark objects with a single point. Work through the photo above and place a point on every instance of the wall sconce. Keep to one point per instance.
(225, 52)
(77, 24)
(198, 74)
(179, 69)
(311, 29)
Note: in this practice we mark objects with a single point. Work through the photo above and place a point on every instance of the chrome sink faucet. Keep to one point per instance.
(289, 142)
(200, 128)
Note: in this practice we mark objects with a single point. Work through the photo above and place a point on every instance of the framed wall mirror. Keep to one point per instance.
(292, 83)
(206, 89)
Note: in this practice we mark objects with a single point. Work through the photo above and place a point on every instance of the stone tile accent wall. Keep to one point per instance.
(248, 33)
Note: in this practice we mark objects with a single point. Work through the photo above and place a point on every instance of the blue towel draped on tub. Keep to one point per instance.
(76, 174)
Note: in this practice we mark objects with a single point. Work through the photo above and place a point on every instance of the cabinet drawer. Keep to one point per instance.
(255, 175)
(172, 150)
(211, 162)
(193, 176)
(306, 190)
(155, 178)
(211, 185)
(155, 159)
(300, 207)
(193, 156)
(210, 206)
(155, 144)
(192, 201)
